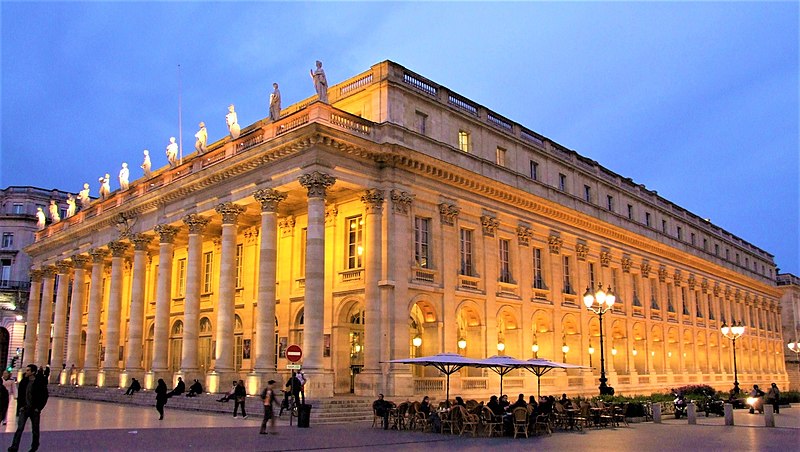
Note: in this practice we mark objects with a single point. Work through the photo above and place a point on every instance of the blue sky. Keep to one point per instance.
(698, 101)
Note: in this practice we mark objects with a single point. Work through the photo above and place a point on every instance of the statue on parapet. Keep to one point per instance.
(320, 82)
(41, 221)
(105, 186)
(275, 103)
(124, 175)
(70, 205)
(83, 196)
(55, 215)
(233, 122)
(172, 152)
(202, 139)
(146, 165)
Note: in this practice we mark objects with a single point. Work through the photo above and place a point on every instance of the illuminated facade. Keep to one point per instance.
(400, 214)
(790, 321)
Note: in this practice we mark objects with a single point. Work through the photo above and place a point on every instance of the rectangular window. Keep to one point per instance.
(737, 258)
(501, 156)
(208, 261)
(684, 302)
(647, 219)
(692, 239)
(422, 242)
(18, 209)
(727, 254)
(592, 282)
(705, 244)
(466, 252)
(610, 203)
(180, 287)
(664, 226)
(5, 271)
(562, 182)
(716, 249)
(615, 285)
(635, 287)
(464, 142)
(630, 211)
(422, 122)
(534, 170)
(680, 233)
(505, 262)
(538, 274)
(654, 295)
(8, 239)
(239, 259)
(567, 277)
(710, 308)
(587, 193)
(698, 306)
(355, 246)
(670, 304)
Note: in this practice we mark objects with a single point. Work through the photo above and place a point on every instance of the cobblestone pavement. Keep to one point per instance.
(74, 425)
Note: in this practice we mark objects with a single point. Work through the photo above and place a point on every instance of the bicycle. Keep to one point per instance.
(289, 404)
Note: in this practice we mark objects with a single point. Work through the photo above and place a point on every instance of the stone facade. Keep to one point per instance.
(402, 210)
(790, 324)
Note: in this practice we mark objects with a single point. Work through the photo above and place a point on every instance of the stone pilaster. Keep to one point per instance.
(45, 316)
(91, 359)
(166, 248)
(267, 267)
(133, 354)
(369, 381)
(112, 336)
(32, 320)
(76, 315)
(316, 183)
(224, 365)
(191, 304)
(63, 269)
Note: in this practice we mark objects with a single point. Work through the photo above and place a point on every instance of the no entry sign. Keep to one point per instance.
(294, 353)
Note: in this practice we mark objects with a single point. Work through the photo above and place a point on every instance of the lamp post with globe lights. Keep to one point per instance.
(598, 303)
(733, 332)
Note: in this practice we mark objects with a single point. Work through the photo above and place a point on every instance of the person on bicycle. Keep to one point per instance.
(295, 387)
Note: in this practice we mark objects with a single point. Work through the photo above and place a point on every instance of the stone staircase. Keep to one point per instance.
(338, 410)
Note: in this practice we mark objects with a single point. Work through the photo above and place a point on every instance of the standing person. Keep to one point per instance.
(11, 389)
(295, 386)
(320, 82)
(268, 396)
(5, 396)
(275, 103)
(301, 377)
(773, 397)
(161, 397)
(47, 372)
(240, 395)
(33, 398)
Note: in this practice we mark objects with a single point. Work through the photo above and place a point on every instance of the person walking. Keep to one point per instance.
(33, 398)
(161, 398)
(239, 394)
(268, 396)
(773, 397)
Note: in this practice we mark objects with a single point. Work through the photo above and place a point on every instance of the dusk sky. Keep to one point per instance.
(698, 101)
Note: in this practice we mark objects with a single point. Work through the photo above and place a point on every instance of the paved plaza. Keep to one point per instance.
(76, 425)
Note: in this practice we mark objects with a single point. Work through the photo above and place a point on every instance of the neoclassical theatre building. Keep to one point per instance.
(401, 219)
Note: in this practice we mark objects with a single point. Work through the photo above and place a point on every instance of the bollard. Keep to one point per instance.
(656, 412)
(691, 413)
(769, 416)
(728, 414)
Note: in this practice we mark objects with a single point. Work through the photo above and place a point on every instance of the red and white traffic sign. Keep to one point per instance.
(294, 353)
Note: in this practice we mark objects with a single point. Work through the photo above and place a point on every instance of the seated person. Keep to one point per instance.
(460, 401)
(564, 401)
(134, 387)
(533, 405)
(520, 403)
(229, 394)
(425, 406)
(382, 408)
(195, 389)
(494, 405)
(504, 403)
(180, 388)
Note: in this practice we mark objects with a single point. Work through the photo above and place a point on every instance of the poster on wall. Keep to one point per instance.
(246, 349)
(282, 344)
(326, 351)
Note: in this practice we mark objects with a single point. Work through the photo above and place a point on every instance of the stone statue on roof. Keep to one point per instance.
(70, 205)
(172, 152)
(275, 103)
(41, 221)
(202, 139)
(233, 122)
(83, 196)
(124, 174)
(55, 215)
(146, 165)
(320, 82)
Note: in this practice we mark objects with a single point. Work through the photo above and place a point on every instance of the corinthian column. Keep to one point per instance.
(60, 320)
(265, 316)
(111, 358)
(76, 313)
(133, 355)
(373, 203)
(90, 362)
(191, 309)
(45, 315)
(314, 314)
(227, 281)
(163, 290)
(32, 321)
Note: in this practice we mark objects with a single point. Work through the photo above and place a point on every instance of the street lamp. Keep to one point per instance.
(733, 332)
(591, 352)
(795, 347)
(417, 341)
(564, 347)
(598, 303)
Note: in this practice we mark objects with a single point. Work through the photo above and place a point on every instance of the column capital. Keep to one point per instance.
(48, 271)
(166, 233)
(555, 243)
(490, 225)
(373, 200)
(79, 261)
(229, 211)
(448, 213)
(36, 275)
(118, 248)
(196, 223)
(316, 183)
(98, 255)
(401, 201)
(140, 241)
(63, 267)
(269, 198)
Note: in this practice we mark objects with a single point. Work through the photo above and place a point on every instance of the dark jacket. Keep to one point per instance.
(294, 385)
(197, 388)
(240, 393)
(161, 393)
(180, 388)
(39, 394)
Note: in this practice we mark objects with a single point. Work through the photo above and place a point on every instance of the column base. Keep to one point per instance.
(88, 377)
(151, 378)
(189, 375)
(369, 383)
(220, 381)
(108, 378)
(319, 384)
(400, 385)
(257, 380)
(127, 375)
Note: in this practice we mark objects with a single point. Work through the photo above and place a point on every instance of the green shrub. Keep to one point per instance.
(790, 396)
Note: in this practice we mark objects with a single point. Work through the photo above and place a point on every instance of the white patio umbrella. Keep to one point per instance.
(541, 366)
(446, 363)
(502, 365)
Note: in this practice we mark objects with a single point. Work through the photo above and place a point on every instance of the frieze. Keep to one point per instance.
(124, 222)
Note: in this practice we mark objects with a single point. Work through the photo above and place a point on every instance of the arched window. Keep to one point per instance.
(204, 344)
(176, 346)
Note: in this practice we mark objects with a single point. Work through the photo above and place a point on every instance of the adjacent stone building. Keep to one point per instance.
(401, 213)
(790, 323)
